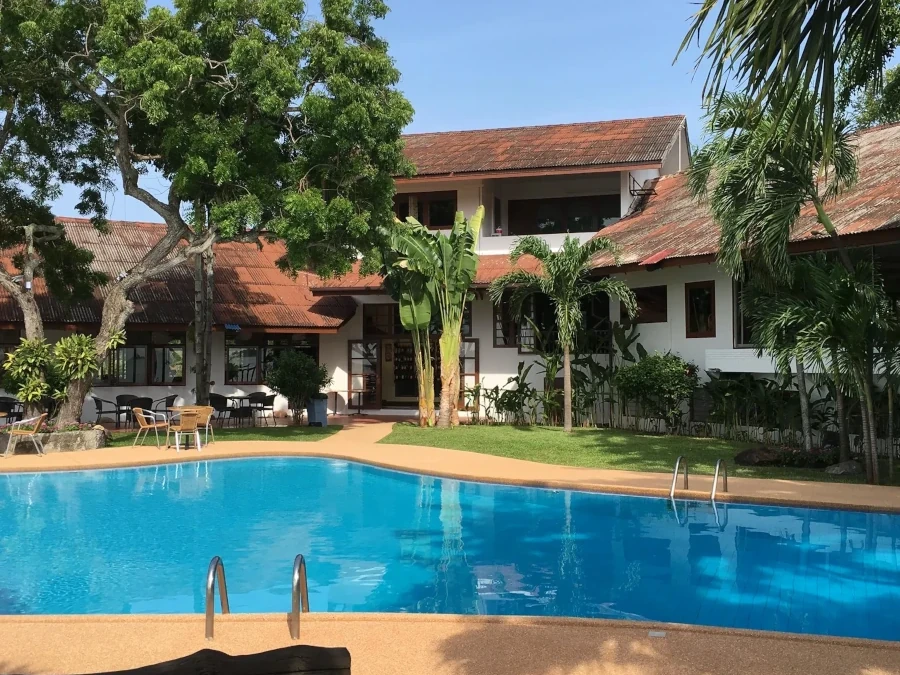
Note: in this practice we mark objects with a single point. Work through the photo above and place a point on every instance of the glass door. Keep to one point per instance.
(365, 376)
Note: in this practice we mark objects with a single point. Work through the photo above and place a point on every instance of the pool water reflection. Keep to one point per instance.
(139, 541)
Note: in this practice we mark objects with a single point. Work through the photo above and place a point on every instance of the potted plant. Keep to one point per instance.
(298, 378)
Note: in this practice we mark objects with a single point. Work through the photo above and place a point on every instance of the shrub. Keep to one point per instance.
(298, 378)
(661, 384)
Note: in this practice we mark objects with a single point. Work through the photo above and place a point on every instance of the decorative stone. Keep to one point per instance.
(848, 468)
(61, 441)
(760, 456)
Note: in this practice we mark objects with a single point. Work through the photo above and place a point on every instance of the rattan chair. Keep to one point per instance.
(30, 428)
(205, 415)
(148, 421)
(184, 422)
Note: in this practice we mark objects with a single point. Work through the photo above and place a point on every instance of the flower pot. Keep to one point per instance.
(317, 412)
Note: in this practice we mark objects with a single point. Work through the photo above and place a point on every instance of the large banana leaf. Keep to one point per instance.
(415, 301)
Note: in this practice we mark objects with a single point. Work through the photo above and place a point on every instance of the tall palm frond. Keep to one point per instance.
(793, 46)
(758, 172)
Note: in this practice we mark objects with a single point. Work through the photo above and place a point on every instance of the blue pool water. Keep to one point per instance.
(139, 541)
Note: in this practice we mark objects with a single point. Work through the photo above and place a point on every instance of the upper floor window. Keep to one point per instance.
(652, 305)
(564, 214)
(383, 320)
(435, 209)
(249, 359)
(700, 309)
(155, 357)
(743, 332)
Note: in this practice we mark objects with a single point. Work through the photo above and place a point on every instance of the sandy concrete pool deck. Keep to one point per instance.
(448, 645)
(391, 644)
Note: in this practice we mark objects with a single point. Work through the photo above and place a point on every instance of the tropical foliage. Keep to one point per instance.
(564, 278)
(661, 385)
(445, 265)
(759, 169)
(298, 378)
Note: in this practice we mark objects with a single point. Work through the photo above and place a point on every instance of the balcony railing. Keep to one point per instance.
(494, 245)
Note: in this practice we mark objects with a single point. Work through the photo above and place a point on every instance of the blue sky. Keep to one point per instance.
(470, 64)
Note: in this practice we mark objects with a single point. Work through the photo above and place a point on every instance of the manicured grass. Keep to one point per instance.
(299, 433)
(600, 449)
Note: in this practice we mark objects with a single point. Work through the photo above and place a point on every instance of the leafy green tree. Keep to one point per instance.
(778, 49)
(872, 106)
(757, 172)
(565, 278)
(43, 143)
(298, 378)
(260, 119)
(448, 262)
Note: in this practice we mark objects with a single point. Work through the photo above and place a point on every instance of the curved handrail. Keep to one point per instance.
(675, 475)
(299, 595)
(719, 464)
(216, 569)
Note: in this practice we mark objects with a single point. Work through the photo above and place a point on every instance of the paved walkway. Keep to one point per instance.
(396, 644)
(358, 441)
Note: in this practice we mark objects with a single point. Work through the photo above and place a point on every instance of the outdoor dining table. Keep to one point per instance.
(242, 403)
(178, 410)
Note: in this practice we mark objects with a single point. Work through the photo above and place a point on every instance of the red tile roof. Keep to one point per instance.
(490, 267)
(589, 144)
(673, 226)
(249, 290)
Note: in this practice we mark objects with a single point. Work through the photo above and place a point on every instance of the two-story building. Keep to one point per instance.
(622, 179)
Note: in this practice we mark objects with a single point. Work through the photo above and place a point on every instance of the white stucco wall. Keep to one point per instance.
(707, 353)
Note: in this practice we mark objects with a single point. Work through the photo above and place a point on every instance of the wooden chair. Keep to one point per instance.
(30, 428)
(205, 415)
(148, 421)
(184, 422)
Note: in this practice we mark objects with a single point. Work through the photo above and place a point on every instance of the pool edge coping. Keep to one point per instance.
(553, 484)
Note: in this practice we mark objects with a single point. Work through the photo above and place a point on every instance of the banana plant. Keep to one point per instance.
(449, 263)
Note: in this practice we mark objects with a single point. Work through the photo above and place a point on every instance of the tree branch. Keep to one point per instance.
(6, 129)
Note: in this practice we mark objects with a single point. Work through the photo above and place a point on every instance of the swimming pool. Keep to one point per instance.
(139, 541)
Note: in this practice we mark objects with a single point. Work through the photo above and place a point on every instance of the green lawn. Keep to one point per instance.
(600, 449)
(305, 434)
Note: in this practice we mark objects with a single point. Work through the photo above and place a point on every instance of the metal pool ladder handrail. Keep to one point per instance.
(216, 569)
(299, 595)
(675, 475)
(719, 464)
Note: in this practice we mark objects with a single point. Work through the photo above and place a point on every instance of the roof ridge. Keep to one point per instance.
(77, 220)
(545, 126)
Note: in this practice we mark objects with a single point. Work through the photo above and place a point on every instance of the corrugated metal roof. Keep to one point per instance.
(588, 144)
(490, 267)
(673, 225)
(249, 289)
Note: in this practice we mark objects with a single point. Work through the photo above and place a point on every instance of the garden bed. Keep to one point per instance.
(60, 441)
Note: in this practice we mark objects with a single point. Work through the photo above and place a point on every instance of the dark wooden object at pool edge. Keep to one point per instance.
(286, 661)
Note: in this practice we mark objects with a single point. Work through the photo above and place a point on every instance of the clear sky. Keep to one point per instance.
(476, 64)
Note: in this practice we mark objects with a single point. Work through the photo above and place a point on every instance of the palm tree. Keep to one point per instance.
(415, 299)
(758, 171)
(447, 264)
(762, 300)
(771, 47)
(565, 279)
(838, 319)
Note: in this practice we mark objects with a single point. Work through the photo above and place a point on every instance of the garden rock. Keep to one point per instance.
(845, 468)
(757, 457)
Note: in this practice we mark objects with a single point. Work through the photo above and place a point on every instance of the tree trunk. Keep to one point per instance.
(203, 289)
(843, 427)
(116, 310)
(567, 389)
(424, 376)
(890, 433)
(449, 348)
(864, 416)
(804, 406)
